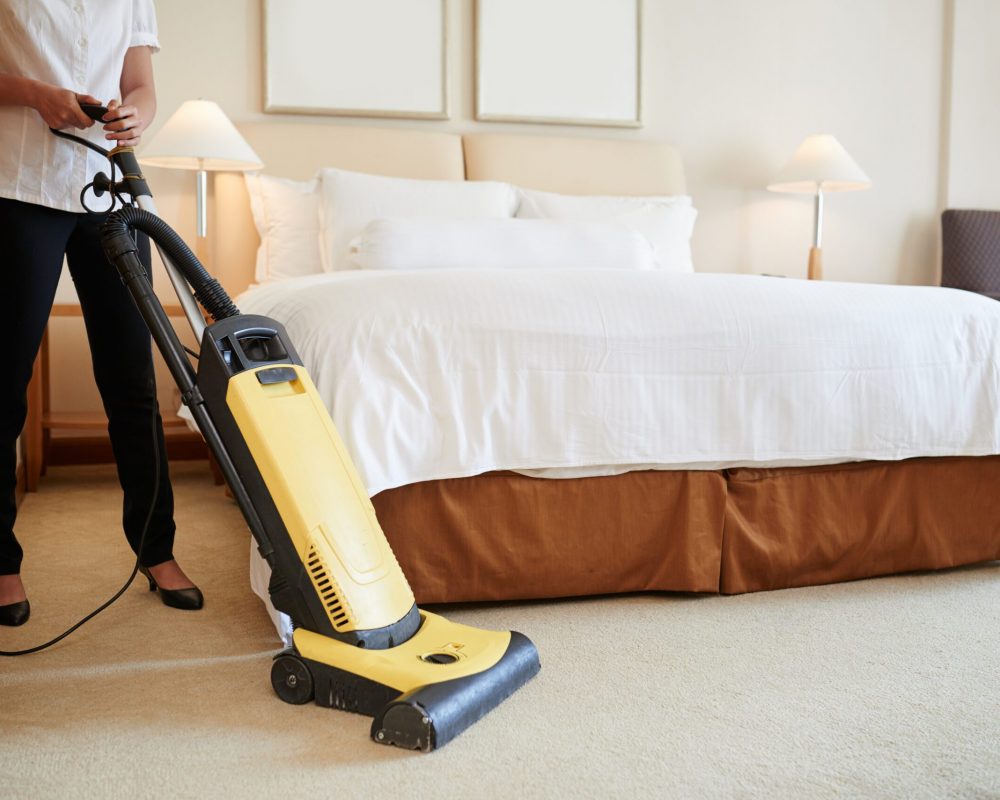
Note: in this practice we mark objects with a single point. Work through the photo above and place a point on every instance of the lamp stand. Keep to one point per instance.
(201, 207)
(815, 270)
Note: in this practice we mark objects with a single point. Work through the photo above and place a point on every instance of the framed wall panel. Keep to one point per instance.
(574, 62)
(365, 58)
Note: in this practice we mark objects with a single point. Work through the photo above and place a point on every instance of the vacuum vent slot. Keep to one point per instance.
(327, 589)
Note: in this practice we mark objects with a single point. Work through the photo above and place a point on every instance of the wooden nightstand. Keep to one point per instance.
(41, 421)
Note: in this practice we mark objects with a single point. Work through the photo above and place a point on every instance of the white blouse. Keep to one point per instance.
(74, 44)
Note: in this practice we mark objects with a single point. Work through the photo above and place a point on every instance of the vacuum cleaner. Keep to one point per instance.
(359, 641)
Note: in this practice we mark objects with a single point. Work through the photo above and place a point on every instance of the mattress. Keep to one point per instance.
(442, 374)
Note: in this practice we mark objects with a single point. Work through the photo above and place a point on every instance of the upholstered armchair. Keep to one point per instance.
(970, 257)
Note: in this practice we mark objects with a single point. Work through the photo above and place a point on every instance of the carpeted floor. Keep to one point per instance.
(881, 688)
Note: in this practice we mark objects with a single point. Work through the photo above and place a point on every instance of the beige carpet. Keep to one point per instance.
(882, 688)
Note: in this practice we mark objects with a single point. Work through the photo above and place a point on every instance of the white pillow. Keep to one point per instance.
(667, 222)
(286, 214)
(499, 244)
(350, 200)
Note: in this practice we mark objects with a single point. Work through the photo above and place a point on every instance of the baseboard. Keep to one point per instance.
(64, 451)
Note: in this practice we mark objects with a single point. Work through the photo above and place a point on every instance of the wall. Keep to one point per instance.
(974, 130)
(736, 84)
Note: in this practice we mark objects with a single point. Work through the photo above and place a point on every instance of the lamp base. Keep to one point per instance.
(201, 250)
(815, 264)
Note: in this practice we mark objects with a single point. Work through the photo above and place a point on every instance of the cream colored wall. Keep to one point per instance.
(736, 84)
(974, 147)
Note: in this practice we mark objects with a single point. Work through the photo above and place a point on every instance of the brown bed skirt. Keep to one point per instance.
(504, 536)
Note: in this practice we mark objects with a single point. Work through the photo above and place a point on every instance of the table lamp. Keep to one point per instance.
(820, 165)
(199, 136)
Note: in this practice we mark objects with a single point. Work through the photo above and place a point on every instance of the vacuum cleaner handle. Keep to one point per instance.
(135, 185)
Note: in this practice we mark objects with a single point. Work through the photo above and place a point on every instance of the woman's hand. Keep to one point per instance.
(60, 108)
(123, 125)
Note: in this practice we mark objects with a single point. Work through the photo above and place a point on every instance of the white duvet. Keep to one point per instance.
(443, 374)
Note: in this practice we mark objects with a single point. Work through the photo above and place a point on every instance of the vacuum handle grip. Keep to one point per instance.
(133, 181)
(94, 110)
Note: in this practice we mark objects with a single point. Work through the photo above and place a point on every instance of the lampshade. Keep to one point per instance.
(200, 136)
(820, 162)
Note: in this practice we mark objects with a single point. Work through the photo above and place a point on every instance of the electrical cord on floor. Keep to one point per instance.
(135, 568)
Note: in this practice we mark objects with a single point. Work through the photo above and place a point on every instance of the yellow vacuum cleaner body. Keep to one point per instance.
(320, 497)
(331, 522)
(359, 643)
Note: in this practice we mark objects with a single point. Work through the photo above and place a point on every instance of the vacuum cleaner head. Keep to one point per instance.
(421, 693)
(432, 715)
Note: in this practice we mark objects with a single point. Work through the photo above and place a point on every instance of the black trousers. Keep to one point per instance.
(33, 241)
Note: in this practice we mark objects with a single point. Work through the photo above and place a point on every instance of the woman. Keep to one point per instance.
(54, 55)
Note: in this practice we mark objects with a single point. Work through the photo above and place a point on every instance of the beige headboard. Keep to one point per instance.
(575, 165)
(549, 163)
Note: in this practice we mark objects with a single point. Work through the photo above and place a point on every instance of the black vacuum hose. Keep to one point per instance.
(116, 238)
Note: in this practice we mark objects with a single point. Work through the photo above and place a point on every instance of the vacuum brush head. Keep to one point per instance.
(422, 693)
(431, 716)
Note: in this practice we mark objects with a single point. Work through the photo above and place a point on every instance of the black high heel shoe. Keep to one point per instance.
(15, 614)
(185, 599)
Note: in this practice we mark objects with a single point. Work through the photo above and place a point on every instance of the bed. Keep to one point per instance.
(752, 433)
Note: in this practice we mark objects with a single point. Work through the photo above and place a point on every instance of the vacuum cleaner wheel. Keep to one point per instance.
(291, 679)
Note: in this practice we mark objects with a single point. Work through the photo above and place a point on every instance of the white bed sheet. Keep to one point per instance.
(451, 373)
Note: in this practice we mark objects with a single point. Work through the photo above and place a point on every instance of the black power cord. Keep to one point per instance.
(135, 568)
(107, 184)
